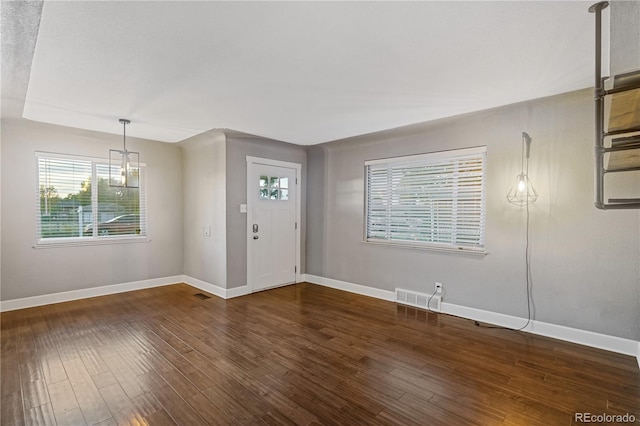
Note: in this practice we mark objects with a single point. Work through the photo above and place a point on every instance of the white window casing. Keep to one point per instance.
(69, 205)
(430, 201)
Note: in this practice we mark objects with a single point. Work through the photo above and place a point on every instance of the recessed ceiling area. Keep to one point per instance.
(300, 72)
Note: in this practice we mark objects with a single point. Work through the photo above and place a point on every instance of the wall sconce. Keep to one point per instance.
(522, 192)
(124, 166)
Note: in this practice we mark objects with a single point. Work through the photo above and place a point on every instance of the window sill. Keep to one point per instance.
(480, 252)
(66, 242)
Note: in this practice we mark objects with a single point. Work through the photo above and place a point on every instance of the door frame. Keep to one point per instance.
(251, 191)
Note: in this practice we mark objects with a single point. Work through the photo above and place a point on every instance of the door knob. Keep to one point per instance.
(255, 228)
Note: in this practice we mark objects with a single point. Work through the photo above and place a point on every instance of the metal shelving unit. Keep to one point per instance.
(617, 148)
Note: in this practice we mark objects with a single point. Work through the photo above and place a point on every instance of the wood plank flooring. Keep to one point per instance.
(301, 354)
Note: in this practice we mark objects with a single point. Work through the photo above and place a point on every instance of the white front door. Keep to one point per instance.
(271, 225)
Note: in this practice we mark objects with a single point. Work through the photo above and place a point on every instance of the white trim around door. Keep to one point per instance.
(251, 188)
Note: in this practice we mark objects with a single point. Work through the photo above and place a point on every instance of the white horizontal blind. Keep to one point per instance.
(431, 200)
(63, 191)
(120, 210)
(69, 204)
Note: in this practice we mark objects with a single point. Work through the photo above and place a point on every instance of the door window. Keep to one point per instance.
(274, 188)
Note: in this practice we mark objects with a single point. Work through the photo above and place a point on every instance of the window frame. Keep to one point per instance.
(420, 160)
(94, 239)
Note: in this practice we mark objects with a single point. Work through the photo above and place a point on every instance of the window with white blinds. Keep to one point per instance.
(434, 200)
(75, 203)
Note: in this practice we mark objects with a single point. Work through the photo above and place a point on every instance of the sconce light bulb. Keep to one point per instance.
(521, 184)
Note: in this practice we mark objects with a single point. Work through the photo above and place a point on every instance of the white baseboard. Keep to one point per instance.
(203, 285)
(574, 335)
(352, 288)
(237, 292)
(66, 296)
(568, 334)
(583, 337)
(214, 289)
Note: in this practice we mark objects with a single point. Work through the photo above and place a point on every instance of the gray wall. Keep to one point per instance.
(204, 197)
(585, 262)
(316, 212)
(238, 147)
(27, 271)
(19, 28)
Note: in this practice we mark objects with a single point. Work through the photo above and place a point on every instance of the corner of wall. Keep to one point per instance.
(216, 290)
(204, 207)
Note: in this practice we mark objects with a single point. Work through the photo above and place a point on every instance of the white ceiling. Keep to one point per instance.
(301, 72)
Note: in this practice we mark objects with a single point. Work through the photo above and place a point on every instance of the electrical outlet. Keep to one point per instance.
(438, 288)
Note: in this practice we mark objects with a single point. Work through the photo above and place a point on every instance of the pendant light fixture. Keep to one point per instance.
(124, 166)
(522, 192)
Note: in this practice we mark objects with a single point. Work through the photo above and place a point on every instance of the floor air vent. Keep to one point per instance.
(419, 300)
(202, 296)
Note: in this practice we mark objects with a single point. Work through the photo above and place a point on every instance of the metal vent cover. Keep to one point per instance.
(419, 300)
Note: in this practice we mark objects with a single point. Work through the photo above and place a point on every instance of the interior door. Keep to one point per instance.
(271, 225)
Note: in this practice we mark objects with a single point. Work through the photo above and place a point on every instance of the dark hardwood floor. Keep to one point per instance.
(302, 354)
